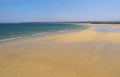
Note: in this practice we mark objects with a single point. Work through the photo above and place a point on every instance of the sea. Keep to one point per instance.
(11, 31)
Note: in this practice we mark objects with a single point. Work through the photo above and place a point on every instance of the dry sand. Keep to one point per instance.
(77, 54)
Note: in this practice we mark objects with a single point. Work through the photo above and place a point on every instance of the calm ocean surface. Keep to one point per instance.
(18, 30)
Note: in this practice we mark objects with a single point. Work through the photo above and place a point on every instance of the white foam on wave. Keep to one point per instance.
(39, 33)
(24, 36)
(10, 39)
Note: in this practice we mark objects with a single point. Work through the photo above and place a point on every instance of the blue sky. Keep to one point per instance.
(59, 10)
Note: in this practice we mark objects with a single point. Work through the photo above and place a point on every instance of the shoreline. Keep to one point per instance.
(90, 30)
(47, 34)
(50, 36)
(95, 33)
(44, 34)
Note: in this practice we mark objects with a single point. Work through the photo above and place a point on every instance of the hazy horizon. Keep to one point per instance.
(15, 11)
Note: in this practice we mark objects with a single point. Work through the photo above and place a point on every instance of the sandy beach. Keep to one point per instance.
(95, 33)
(93, 52)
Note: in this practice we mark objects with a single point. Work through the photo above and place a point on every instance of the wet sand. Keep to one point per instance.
(86, 53)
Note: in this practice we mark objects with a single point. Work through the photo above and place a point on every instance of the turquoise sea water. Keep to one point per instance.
(18, 30)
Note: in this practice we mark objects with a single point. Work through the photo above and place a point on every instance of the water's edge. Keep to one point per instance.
(44, 34)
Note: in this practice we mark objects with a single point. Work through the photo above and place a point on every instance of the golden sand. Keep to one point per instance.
(63, 55)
